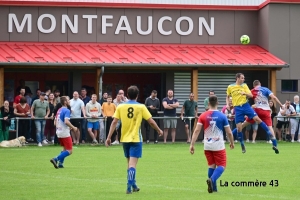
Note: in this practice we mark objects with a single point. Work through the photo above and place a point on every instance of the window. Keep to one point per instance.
(289, 85)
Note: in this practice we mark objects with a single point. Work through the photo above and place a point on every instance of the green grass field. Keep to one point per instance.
(164, 172)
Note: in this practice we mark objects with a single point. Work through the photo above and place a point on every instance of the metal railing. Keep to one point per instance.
(17, 119)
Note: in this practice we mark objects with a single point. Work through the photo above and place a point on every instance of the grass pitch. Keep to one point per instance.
(165, 172)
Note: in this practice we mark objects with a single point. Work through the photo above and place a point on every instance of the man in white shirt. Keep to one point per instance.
(77, 106)
(286, 111)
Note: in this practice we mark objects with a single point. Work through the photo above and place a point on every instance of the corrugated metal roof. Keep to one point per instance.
(181, 2)
(95, 54)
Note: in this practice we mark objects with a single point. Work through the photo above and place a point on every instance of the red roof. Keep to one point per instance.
(98, 54)
(137, 4)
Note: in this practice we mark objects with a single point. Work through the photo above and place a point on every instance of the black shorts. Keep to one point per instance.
(76, 122)
(285, 124)
(187, 122)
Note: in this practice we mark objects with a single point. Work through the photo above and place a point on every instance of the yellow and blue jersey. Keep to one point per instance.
(235, 90)
(131, 114)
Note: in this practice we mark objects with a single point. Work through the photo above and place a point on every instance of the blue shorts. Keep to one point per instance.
(242, 111)
(132, 149)
(93, 125)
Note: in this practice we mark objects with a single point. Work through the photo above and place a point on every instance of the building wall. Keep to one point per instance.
(284, 42)
(229, 25)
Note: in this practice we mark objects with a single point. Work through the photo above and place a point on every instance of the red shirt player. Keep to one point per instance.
(213, 122)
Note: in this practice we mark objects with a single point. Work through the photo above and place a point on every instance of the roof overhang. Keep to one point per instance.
(146, 4)
(137, 55)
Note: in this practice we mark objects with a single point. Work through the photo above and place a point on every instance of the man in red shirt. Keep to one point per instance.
(17, 98)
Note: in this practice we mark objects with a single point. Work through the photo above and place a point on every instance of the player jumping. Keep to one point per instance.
(239, 92)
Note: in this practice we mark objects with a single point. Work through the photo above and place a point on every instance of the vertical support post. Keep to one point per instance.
(1, 85)
(194, 84)
(97, 89)
(194, 87)
(273, 81)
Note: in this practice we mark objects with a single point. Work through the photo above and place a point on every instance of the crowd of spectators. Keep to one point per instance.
(89, 114)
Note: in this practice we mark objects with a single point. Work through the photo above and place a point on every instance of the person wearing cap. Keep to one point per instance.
(40, 110)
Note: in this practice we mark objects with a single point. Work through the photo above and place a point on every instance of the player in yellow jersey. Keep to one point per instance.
(131, 114)
(239, 92)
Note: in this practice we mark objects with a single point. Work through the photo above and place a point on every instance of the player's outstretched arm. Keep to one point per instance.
(230, 136)
(111, 131)
(194, 138)
(154, 126)
(274, 98)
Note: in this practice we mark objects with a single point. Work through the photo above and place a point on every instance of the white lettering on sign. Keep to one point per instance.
(210, 30)
(66, 20)
(120, 27)
(160, 25)
(164, 24)
(139, 25)
(90, 22)
(105, 24)
(12, 19)
(40, 23)
(190, 26)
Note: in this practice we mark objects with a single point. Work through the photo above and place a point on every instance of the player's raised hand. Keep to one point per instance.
(108, 142)
(192, 149)
(231, 145)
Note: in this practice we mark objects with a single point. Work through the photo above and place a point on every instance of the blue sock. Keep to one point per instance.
(240, 138)
(217, 173)
(210, 173)
(62, 155)
(130, 177)
(265, 127)
(61, 162)
(234, 133)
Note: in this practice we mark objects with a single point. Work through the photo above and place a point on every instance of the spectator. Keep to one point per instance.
(273, 114)
(295, 121)
(22, 85)
(50, 128)
(189, 109)
(18, 97)
(93, 110)
(22, 110)
(86, 99)
(254, 133)
(7, 113)
(28, 98)
(170, 104)
(77, 106)
(286, 111)
(38, 92)
(229, 112)
(47, 91)
(57, 96)
(153, 105)
(211, 93)
(40, 109)
(104, 98)
(123, 98)
(108, 110)
(117, 101)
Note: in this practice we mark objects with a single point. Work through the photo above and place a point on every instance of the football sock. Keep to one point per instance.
(273, 139)
(134, 182)
(240, 138)
(264, 126)
(130, 177)
(217, 173)
(62, 155)
(234, 133)
(210, 173)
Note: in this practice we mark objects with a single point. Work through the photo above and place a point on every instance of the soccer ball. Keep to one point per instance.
(245, 39)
